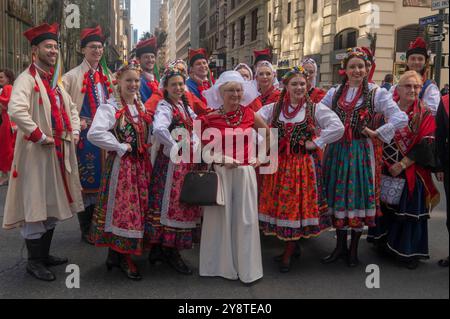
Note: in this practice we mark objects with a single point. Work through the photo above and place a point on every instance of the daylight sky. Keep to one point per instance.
(140, 15)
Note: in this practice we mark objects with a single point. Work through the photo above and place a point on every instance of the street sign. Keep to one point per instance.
(434, 19)
(439, 4)
(438, 38)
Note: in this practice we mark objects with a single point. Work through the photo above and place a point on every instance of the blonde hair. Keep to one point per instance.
(227, 85)
(410, 74)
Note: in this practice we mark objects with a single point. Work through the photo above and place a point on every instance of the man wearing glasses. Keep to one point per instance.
(89, 86)
(146, 53)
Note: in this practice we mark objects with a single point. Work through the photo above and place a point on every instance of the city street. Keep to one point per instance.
(307, 279)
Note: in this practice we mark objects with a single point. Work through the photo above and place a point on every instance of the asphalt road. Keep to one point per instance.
(307, 279)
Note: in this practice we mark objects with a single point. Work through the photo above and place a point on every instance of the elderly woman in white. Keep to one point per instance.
(230, 245)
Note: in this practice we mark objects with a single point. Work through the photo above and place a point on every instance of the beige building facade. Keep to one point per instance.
(247, 30)
(324, 29)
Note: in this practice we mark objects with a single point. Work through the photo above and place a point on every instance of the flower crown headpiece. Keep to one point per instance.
(297, 70)
(133, 65)
(172, 71)
(354, 52)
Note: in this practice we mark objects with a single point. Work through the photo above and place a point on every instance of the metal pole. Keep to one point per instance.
(438, 63)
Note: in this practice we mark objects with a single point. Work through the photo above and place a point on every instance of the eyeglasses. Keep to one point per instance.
(95, 47)
(411, 86)
(237, 91)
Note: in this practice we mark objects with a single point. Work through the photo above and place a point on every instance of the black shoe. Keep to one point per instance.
(341, 250)
(285, 268)
(129, 268)
(49, 260)
(35, 265)
(297, 254)
(443, 262)
(156, 255)
(173, 258)
(38, 270)
(412, 264)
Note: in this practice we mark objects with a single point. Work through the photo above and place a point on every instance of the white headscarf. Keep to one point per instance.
(314, 64)
(214, 98)
(244, 66)
(261, 64)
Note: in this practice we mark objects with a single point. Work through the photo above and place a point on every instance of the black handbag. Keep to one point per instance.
(202, 188)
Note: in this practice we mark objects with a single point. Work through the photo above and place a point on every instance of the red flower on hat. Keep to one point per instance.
(418, 43)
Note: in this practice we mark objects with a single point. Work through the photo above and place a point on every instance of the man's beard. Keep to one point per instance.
(43, 59)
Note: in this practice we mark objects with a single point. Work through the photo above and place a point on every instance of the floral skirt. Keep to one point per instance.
(121, 214)
(172, 224)
(292, 203)
(349, 179)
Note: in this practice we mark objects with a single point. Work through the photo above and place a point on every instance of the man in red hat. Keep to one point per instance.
(89, 86)
(200, 75)
(417, 59)
(45, 185)
(146, 53)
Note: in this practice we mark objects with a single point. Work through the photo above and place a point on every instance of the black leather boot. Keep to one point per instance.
(50, 260)
(129, 268)
(173, 258)
(85, 219)
(341, 250)
(35, 265)
(353, 260)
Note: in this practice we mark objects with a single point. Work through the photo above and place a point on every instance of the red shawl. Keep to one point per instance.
(422, 125)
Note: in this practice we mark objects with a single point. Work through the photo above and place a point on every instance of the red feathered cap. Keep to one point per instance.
(42, 32)
(91, 35)
(198, 54)
(263, 55)
(147, 46)
(419, 46)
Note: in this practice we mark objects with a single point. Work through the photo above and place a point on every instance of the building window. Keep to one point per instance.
(289, 12)
(242, 40)
(270, 22)
(203, 31)
(346, 39)
(407, 34)
(233, 35)
(254, 25)
(314, 9)
(346, 6)
(233, 4)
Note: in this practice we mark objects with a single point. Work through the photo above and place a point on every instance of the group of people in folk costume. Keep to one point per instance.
(99, 145)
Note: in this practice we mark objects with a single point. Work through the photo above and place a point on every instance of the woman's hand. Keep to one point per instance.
(440, 176)
(230, 163)
(396, 169)
(310, 146)
(370, 133)
(129, 148)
